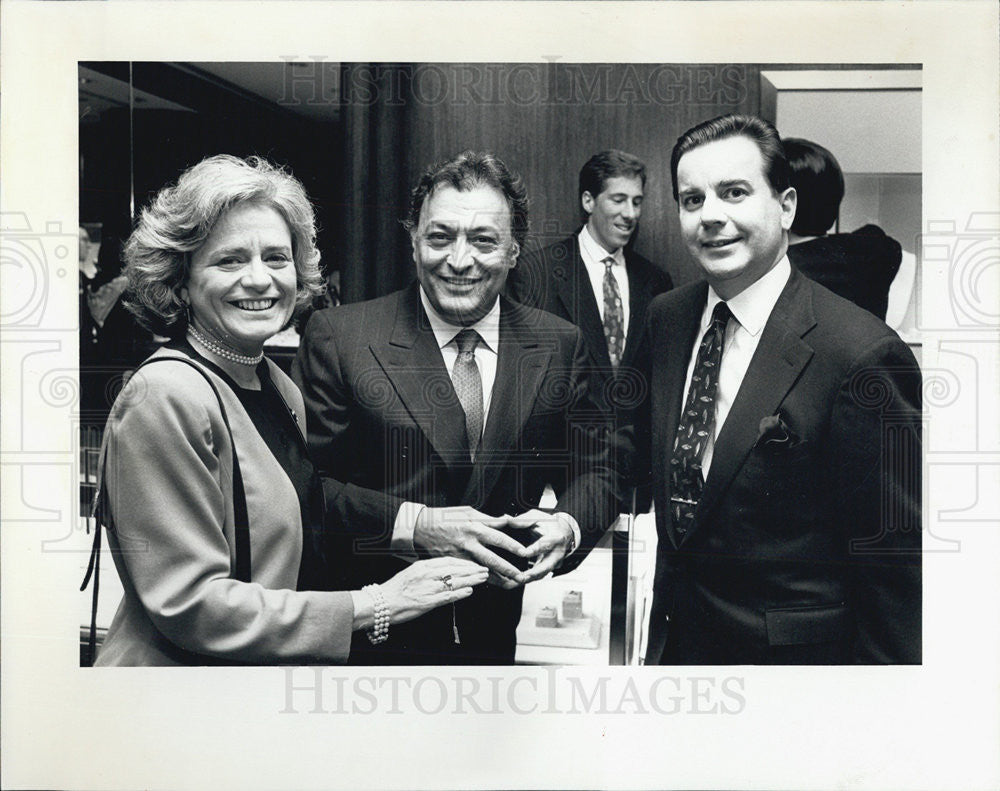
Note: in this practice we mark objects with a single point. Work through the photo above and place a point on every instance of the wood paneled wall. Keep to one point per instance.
(544, 120)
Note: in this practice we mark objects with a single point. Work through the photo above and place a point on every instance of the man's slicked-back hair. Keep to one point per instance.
(819, 183)
(751, 127)
(469, 170)
(609, 164)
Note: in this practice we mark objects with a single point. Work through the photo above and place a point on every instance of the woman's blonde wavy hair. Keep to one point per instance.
(179, 219)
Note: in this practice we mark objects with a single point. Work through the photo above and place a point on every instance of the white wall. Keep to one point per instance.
(869, 131)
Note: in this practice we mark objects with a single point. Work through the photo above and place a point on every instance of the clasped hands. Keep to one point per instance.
(464, 532)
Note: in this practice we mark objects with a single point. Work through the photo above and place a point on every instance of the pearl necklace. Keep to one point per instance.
(224, 352)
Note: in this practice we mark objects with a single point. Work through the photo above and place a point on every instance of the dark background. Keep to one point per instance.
(382, 124)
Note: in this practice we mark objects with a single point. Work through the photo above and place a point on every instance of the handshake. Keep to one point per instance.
(514, 549)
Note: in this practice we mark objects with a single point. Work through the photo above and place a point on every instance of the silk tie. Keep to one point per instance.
(697, 424)
(468, 384)
(614, 314)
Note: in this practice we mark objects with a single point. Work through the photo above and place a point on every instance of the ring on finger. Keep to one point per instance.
(446, 579)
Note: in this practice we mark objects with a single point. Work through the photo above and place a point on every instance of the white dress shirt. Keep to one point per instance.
(751, 309)
(593, 255)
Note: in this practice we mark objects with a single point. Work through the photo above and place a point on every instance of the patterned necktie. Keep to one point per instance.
(697, 424)
(614, 314)
(469, 386)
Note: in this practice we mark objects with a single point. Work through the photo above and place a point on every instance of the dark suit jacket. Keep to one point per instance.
(806, 541)
(554, 279)
(386, 427)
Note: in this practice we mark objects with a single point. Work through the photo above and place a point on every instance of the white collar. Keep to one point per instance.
(753, 305)
(488, 326)
(592, 249)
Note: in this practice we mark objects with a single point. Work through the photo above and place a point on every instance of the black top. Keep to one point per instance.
(275, 422)
(858, 266)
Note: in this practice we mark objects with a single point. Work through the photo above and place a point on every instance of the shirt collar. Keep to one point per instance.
(594, 252)
(753, 305)
(488, 326)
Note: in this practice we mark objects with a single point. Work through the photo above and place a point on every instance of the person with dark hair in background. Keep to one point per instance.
(594, 279)
(860, 265)
(441, 412)
(208, 493)
(785, 423)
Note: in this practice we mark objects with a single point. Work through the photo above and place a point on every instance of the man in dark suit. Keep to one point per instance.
(594, 280)
(785, 437)
(439, 414)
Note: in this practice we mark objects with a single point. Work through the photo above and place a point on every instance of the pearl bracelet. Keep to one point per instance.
(379, 632)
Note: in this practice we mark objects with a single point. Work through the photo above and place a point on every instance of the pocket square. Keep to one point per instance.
(773, 433)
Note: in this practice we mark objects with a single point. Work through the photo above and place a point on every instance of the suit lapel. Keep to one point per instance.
(412, 362)
(673, 346)
(577, 296)
(638, 300)
(779, 359)
(521, 365)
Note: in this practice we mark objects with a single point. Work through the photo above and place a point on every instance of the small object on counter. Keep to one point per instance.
(572, 605)
(547, 618)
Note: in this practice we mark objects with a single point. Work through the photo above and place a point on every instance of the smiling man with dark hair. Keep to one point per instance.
(595, 280)
(440, 413)
(785, 423)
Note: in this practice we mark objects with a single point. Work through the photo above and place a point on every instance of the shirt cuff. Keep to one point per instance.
(574, 527)
(402, 529)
